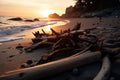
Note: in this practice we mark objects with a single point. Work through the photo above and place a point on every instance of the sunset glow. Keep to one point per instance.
(33, 8)
(48, 28)
(45, 13)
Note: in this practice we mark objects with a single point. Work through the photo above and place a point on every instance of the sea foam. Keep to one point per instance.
(6, 39)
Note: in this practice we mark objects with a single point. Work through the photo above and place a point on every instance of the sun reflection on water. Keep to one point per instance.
(47, 29)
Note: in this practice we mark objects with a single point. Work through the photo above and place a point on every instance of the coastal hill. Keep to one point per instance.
(54, 15)
(91, 8)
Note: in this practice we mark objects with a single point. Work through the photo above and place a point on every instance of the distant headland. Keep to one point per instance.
(91, 8)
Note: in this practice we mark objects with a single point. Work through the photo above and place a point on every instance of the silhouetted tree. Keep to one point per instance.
(54, 15)
(92, 5)
(84, 6)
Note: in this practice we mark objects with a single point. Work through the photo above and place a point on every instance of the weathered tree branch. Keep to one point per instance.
(52, 68)
(105, 70)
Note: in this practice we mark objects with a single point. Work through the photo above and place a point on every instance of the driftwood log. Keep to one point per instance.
(73, 35)
(105, 70)
(35, 46)
(52, 68)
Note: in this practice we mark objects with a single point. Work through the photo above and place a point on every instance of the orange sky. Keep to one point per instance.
(33, 8)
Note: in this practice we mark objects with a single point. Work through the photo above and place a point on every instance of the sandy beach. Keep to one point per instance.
(12, 59)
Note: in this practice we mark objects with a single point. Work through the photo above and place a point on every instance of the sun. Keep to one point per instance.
(45, 13)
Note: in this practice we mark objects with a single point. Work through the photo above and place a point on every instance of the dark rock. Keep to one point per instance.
(23, 65)
(26, 64)
(54, 15)
(29, 62)
(19, 46)
(28, 20)
(36, 19)
(16, 19)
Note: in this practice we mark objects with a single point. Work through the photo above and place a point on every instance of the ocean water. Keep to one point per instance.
(9, 27)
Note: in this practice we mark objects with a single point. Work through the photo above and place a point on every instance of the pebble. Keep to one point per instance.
(75, 71)
(11, 56)
(24, 65)
(19, 47)
(29, 62)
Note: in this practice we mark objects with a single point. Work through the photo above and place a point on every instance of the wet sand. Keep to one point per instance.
(12, 59)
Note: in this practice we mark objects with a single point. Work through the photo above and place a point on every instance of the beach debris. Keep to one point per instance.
(68, 39)
(107, 47)
(71, 49)
(54, 32)
(24, 65)
(55, 67)
(20, 48)
(104, 72)
(11, 56)
(16, 19)
(29, 62)
(3, 51)
(43, 32)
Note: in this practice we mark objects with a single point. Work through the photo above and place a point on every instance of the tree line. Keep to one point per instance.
(94, 5)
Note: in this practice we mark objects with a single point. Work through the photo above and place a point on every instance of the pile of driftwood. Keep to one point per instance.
(69, 49)
(63, 44)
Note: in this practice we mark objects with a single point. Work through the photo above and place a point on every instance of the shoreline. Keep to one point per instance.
(7, 49)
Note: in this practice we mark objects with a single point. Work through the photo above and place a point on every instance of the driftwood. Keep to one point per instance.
(55, 44)
(37, 34)
(32, 47)
(105, 70)
(55, 55)
(56, 39)
(54, 32)
(52, 68)
(44, 32)
(61, 35)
